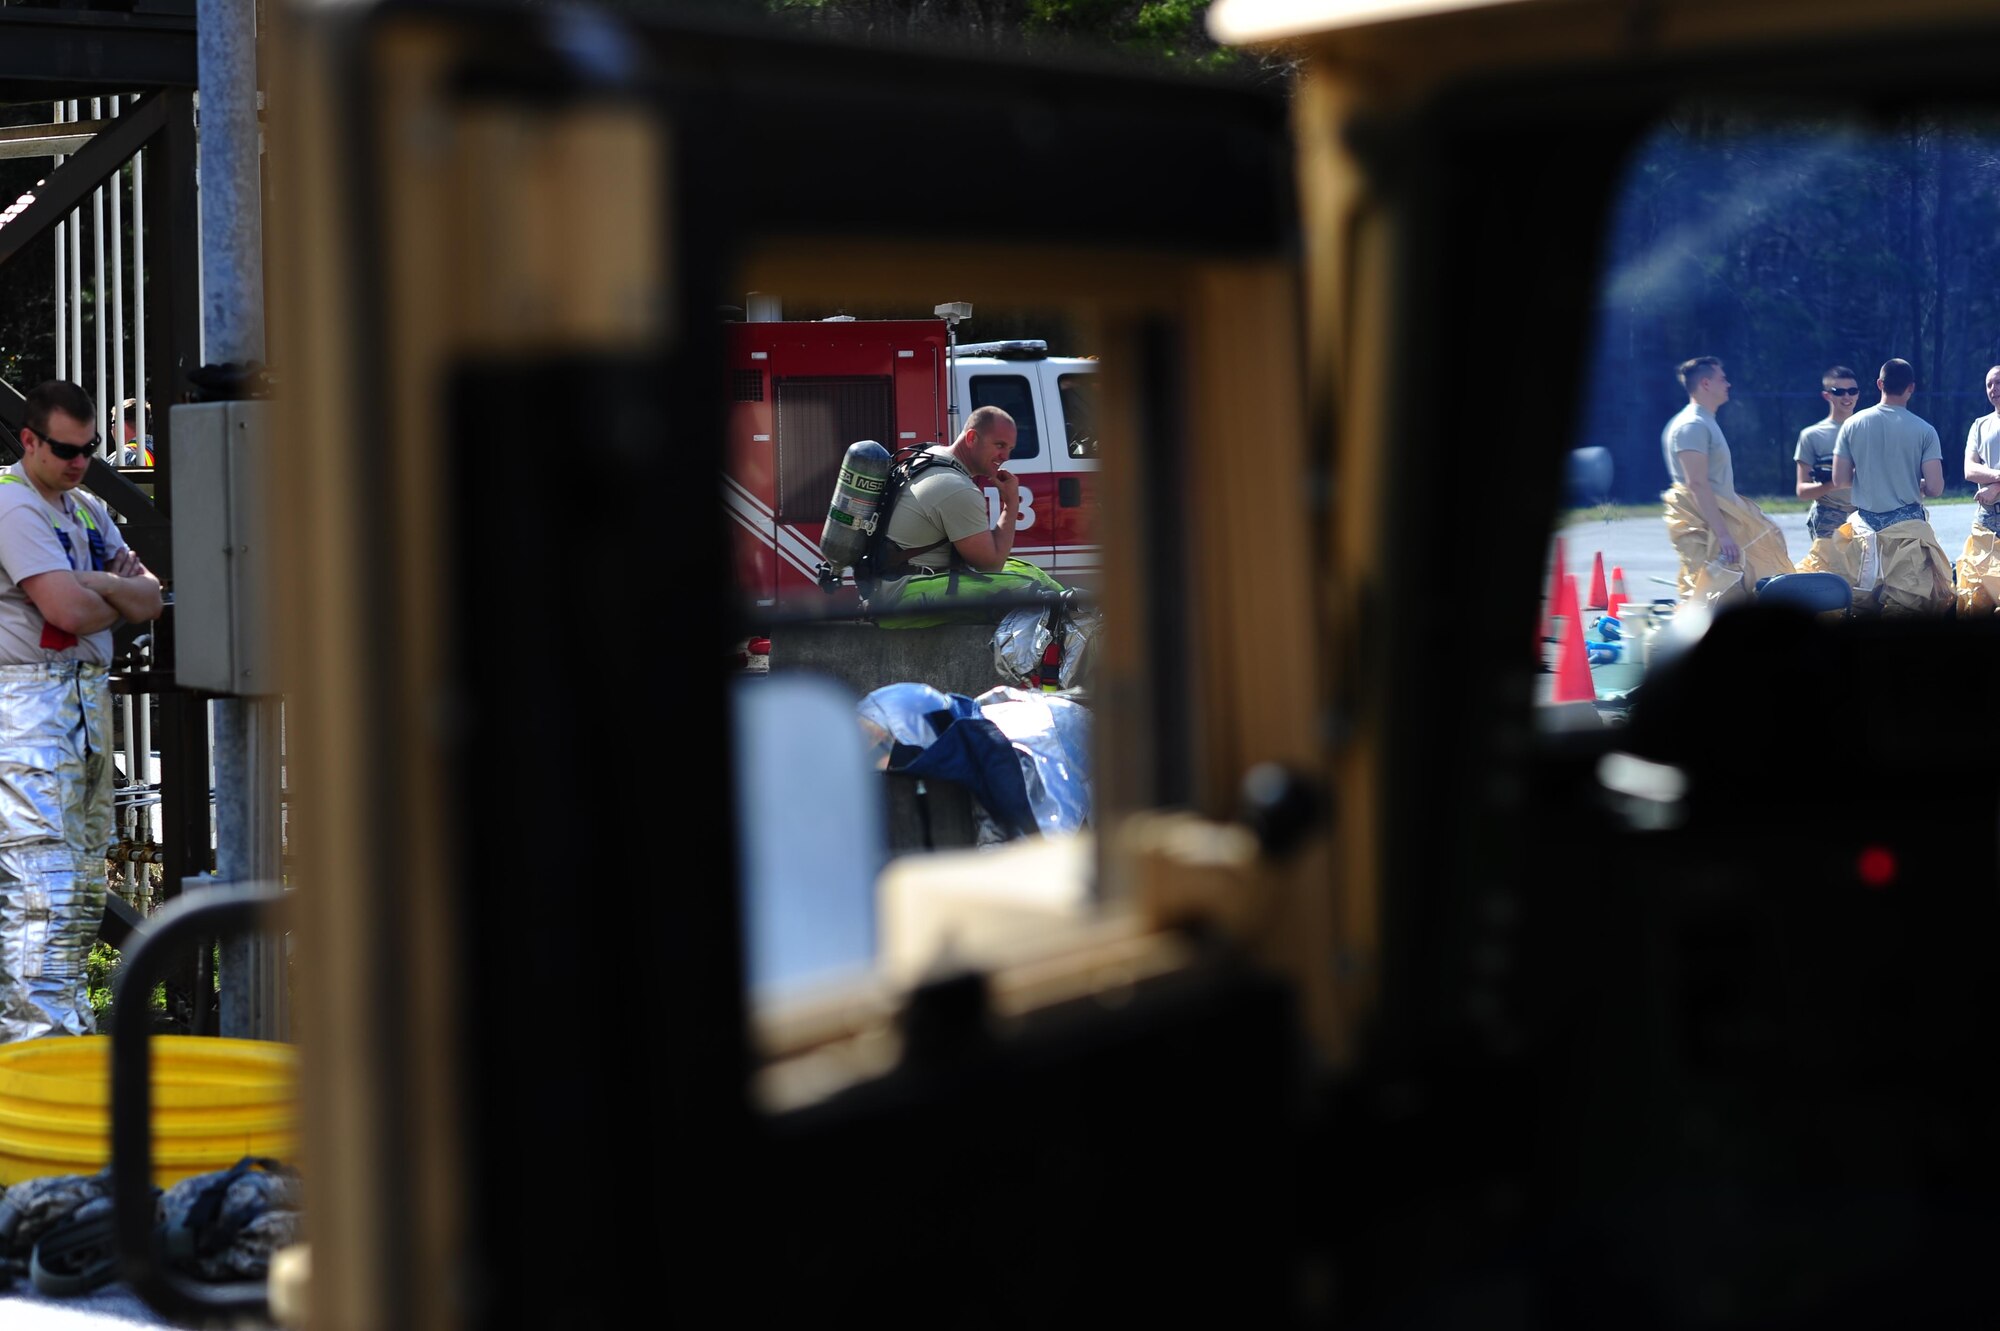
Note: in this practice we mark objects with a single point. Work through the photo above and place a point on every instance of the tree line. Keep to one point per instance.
(1784, 250)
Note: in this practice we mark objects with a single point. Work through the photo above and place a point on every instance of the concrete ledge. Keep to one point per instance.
(955, 658)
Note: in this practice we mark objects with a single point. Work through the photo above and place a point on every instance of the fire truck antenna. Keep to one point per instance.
(951, 312)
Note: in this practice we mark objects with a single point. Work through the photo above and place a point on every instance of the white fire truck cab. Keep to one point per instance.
(800, 392)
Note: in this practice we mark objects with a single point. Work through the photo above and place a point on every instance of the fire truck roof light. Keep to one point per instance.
(1026, 349)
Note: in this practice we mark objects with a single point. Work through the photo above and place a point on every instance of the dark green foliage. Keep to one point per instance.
(1172, 32)
(101, 968)
(27, 284)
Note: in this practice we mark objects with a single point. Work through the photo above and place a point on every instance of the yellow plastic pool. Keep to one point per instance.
(214, 1102)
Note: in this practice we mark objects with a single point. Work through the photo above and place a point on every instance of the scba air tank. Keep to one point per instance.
(857, 500)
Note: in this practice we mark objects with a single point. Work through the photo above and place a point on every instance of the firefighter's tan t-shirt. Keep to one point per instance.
(940, 507)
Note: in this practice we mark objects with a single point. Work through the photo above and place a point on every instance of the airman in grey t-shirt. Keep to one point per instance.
(1814, 454)
(1982, 459)
(1893, 460)
(1979, 565)
(1694, 429)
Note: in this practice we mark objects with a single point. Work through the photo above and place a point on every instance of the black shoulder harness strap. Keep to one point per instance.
(884, 558)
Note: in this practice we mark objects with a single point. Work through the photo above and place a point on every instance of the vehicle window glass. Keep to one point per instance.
(1738, 259)
(1013, 395)
(1079, 404)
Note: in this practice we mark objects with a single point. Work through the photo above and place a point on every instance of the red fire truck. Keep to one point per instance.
(800, 392)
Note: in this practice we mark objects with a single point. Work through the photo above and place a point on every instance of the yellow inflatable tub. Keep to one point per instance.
(214, 1102)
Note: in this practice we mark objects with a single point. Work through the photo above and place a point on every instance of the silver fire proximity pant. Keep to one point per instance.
(55, 827)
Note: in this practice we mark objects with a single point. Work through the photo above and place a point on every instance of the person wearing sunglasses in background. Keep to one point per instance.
(1833, 545)
(1841, 388)
(67, 579)
(1979, 565)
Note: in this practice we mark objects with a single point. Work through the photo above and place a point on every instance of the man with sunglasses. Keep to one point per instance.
(66, 579)
(1814, 455)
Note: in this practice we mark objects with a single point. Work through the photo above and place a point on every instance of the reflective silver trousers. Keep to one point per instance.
(55, 827)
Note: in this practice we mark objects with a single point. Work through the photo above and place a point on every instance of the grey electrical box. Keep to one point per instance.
(222, 548)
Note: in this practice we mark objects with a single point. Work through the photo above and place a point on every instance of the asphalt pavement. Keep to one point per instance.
(1640, 546)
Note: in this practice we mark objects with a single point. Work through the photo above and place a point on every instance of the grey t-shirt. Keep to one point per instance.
(1983, 442)
(1815, 447)
(29, 545)
(941, 506)
(1889, 446)
(1694, 430)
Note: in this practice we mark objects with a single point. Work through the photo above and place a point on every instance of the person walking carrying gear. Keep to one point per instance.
(66, 579)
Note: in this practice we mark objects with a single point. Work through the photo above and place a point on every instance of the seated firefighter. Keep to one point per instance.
(943, 559)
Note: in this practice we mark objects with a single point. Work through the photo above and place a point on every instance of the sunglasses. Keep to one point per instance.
(71, 452)
(1840, 392)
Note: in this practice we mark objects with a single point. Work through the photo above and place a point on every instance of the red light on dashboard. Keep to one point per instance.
(1875, 866)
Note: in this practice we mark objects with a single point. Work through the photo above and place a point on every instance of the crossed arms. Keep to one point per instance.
(91, 601)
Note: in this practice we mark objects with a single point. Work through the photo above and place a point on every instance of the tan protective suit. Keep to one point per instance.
(1913, 573)
(1762, 543)
(1979, 574)
(1906, 572)
(1900, 570)
(1839, 553)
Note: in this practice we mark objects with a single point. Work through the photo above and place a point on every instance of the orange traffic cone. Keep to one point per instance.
(1573, 682)
(1552, 606)
(1598, 598)
(1618, 598)
(1562, 613)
